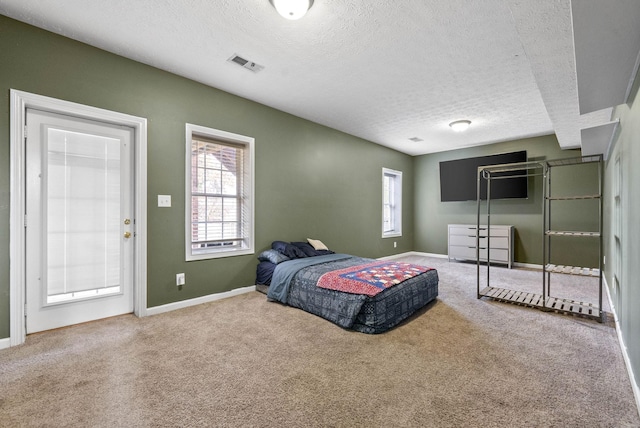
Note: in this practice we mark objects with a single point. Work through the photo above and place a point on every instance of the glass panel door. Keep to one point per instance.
(79, 238)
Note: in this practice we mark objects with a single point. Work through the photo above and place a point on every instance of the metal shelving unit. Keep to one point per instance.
(546, 301)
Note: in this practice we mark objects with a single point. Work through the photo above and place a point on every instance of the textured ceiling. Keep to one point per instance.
(382, 70)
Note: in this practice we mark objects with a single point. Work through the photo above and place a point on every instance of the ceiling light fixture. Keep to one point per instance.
(460, 125)
(292, 9)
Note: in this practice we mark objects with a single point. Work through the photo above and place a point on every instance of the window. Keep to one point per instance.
(219, 202)
(391, 203)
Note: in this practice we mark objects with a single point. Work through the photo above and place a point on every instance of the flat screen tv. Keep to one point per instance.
(458, 178)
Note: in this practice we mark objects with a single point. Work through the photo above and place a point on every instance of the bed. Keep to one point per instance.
(314, 279)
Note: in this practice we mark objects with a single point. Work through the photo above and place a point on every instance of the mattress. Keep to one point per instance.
(367, 314)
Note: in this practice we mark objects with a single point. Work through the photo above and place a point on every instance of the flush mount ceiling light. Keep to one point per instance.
(292, 9)
(460, 125)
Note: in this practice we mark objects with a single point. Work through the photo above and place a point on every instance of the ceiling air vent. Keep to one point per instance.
(245, 63)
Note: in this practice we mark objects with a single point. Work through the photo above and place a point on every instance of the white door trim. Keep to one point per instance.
(19, 102)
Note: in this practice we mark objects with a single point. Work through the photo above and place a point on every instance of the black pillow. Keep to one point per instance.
(306, 248)
(279, 246)
(294, 252)
(309, 250)
(324, 252)
(272, 256)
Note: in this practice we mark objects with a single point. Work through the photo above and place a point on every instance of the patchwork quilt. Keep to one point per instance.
(371, 278)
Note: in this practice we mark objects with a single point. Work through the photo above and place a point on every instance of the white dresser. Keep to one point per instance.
(462, 243)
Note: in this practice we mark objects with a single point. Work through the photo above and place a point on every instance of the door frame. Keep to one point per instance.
(19, 102)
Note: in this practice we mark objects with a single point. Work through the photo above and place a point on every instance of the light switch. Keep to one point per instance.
(164, 201)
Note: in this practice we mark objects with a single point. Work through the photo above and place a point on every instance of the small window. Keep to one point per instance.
(391, 203)
(219, 188)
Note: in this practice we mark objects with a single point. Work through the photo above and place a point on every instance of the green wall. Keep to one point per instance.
(311, 181)
(432, 216)
(626, 296)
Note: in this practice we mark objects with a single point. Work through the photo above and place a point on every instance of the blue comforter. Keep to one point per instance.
(284, 273)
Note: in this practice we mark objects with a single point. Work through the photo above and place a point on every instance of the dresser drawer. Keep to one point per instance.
(462, 230)
(497, 255)
(495, 242)
(497, 231)
(471, 230)
(462, 252)
(464, 240)
(470, 241)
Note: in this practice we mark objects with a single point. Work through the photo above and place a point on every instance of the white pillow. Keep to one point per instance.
(316, 244)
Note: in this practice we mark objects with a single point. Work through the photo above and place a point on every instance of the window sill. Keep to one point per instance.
(392, 235)
(219, 254)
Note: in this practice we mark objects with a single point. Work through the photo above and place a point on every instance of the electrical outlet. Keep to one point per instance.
(395, 244)
(180, 279)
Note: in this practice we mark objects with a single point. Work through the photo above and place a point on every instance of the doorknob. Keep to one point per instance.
(127, 234)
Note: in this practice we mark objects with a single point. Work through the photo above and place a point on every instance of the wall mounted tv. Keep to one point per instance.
(458, 178)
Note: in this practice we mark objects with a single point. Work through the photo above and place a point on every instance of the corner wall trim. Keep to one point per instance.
(5, 343)
(199, 300)
(623, 348)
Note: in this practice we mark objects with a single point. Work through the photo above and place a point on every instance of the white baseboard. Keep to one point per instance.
(199, 300)
(444, 256)
(437, 256)
(527, 265)
(413, 253)
(623, 348)
(394, 256)
(5, 343)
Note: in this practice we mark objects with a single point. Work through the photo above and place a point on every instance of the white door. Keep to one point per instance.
(79, 224)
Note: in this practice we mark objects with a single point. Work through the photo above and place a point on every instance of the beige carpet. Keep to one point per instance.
(243, 361)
